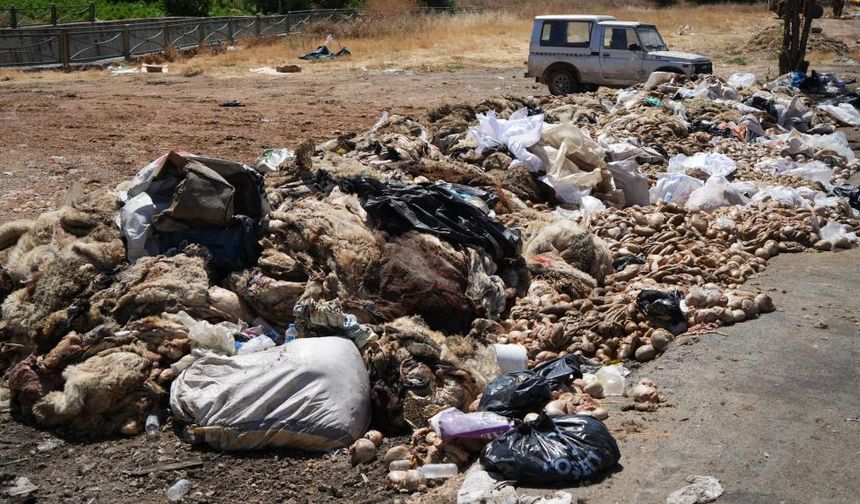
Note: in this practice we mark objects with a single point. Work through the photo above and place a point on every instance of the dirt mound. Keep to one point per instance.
(770, 40)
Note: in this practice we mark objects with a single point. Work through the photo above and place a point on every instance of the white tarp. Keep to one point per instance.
(835, 231)
(517, 133)
(674, 188)
(702, 165)
(843, 112)
(814, 170)
(741, 80)
(793, 114)
(716, 193)
(788, 196)
(631, 181)
(310, 394)
(573, 162)
(797, 142)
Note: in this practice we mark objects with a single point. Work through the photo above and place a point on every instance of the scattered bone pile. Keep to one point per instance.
(92, 342)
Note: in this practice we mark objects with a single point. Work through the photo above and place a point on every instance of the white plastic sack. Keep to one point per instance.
(517, 133)
(844, 113)
(138, 210)
(271, 159)
(835, 231)
(587, 206)
(674, 188)
(741, 80)
(631, 181)
(620, 151)
(572, 160)
(775, 166)
(657, 78)
(787, 196)
(815, 171)
(215, 337)
(703, 164)
(573, 187)
(836, 143)
(716, 193)
(583, 152)
(309, 394)
(134, 218)
(628, 98)
(678, 108)
(712, 88)
(793, 114)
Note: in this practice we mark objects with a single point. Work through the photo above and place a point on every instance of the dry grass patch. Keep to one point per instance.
(386, 38)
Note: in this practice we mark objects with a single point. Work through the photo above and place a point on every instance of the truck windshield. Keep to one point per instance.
(651, 39)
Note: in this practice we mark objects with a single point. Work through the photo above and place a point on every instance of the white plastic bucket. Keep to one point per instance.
(511, 357)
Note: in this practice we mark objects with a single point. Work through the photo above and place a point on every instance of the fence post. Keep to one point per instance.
(201, 32)
(230, 29)
(258, 26)
(166, 35)
(92, 9)
(54, 14)
(126, 43)
(13, 17)
(64, 47)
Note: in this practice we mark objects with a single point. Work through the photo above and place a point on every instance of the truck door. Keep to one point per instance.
(621, 56)
(567, 42)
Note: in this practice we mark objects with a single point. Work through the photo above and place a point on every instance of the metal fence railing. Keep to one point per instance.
(53, 14)
(87, 43)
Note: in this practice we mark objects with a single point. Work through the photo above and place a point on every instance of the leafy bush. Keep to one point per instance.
(187, 7)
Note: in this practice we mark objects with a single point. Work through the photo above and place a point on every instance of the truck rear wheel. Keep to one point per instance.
(562, 82)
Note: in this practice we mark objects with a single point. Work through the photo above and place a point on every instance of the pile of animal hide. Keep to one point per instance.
(509, 221)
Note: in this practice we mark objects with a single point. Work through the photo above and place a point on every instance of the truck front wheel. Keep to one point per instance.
(562, 82)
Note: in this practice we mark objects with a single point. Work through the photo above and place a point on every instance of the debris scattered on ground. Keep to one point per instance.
(471, 279)
(324, 53)
(288, 68)
(701, 489)
(20, 487)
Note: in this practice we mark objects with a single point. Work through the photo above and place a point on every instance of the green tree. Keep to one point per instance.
(187, 7)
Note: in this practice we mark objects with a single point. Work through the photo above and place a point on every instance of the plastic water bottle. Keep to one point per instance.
(612, 380)
(151, 426)
(438, 471)
(178, 490)
(291, 333)
(400, 465)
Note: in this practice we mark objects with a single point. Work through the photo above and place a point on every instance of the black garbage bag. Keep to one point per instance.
(320, 52)
(517, 393)
(663, 309)
(625, 260)
(323, 52)
(560, 370)
(562, 450)
(852, 192)
(433, 209)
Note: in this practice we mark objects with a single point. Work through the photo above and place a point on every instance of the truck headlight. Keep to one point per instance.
(703, 68)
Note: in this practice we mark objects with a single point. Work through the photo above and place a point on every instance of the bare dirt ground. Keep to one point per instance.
(779, 423)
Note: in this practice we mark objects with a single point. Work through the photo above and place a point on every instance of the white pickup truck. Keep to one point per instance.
(579, 53)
